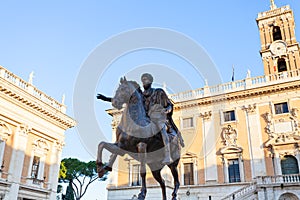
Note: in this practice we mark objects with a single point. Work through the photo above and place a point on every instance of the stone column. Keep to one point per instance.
(262, 37)
(54, 168)
(260, 193)
(16, 162)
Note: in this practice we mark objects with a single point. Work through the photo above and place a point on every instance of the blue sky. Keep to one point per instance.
(54, 38)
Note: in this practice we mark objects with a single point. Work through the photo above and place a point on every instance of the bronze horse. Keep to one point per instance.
(139, 136)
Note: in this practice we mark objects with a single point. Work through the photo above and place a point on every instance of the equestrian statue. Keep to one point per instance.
(146, 132)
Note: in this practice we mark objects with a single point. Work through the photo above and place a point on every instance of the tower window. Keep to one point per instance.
(276, 33)
(281, 65)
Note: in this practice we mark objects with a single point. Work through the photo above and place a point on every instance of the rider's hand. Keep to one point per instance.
(100, 96)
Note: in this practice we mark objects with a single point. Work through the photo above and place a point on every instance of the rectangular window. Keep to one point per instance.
(234, 171)
(135, 175)
(229, 116)
(187, 122)
(281, 108)
(188, 174)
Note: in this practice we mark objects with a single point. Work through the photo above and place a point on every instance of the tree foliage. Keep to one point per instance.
(78, 174)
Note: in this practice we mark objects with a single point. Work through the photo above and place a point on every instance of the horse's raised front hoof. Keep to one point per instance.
(101, 173)
(100, 169)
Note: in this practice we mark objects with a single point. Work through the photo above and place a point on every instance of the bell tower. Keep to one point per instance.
(279, 49)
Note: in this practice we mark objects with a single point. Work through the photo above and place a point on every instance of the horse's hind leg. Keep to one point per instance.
(142, 147)
(173, 168)
(156, 174)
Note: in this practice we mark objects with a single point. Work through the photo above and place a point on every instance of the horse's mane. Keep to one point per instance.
(135, 85)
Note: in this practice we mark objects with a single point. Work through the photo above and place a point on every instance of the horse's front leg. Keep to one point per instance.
(111, 147)
(142, 157)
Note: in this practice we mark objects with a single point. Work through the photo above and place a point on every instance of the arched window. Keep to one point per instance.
(288, 196)
(281, 65)
(289, 165)
(276, 33)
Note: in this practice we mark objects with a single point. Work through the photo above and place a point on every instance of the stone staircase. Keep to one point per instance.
(250, 192)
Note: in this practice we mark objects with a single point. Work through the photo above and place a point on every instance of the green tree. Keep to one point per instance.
(69, 193)
(79, 175)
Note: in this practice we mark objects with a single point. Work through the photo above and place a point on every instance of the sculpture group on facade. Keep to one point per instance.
(146, 132)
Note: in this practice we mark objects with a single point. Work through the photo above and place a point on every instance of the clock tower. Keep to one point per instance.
(279, 49)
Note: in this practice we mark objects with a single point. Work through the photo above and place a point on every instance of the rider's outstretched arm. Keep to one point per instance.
(104, 98)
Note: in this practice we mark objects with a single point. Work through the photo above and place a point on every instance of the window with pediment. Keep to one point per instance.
(188, 173)
(37, 161)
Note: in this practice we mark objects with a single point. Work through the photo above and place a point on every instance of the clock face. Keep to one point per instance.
(278, 48)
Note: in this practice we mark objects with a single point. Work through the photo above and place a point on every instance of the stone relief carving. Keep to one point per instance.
(230, 149)
(41, 144)
(269, 128)
(294, 118)
(278, 138)
(229, 135)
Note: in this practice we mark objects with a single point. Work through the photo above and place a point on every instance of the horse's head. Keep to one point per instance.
(124, 92)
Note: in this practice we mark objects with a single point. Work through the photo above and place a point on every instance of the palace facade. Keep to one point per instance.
(32, 127)
(242, 137)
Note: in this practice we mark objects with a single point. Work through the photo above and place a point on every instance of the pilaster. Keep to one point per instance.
(17, 160)
(254, 133)
(209, 148)
(54, 168)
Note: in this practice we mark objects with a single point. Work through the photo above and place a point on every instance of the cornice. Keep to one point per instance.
(237, 95)
(273, 13)
(29, 102)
